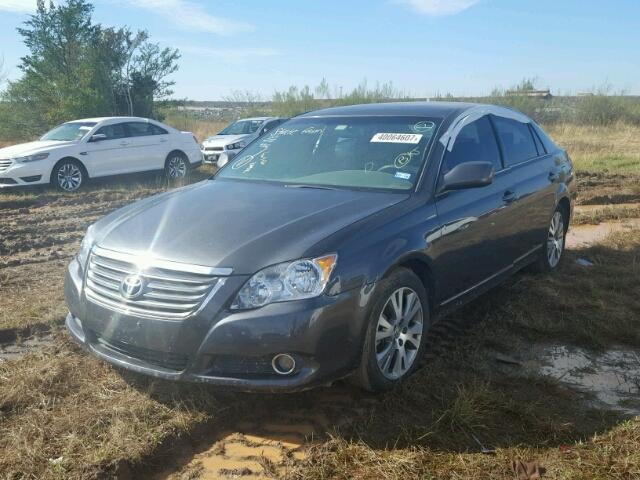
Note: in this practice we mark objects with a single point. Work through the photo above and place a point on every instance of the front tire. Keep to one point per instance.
(68, 175)
(176, 167)
(395, 336)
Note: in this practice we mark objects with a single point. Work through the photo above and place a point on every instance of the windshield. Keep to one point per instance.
(360, 152)
(242, 127)
(68, 132)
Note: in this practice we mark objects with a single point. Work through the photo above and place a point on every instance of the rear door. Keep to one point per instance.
(148, 146)
(470, 248)
(533, 176)
(108, 156)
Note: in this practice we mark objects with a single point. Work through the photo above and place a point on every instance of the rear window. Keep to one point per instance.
(142, 129)
(516, 139)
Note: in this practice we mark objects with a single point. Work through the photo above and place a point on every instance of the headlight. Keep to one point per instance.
(32, 158)
(286, 281)
(85, 247)
(236, 146)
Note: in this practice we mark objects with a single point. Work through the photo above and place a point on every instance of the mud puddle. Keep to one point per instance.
(14, 351)
(275, 437)
(608, 380)
(587, 235)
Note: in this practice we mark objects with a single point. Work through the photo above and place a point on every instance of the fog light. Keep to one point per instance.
(283, 364)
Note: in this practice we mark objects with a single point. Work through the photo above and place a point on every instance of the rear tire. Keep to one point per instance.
(68, 175)
(176, 167)
(553, 246)
(395, 337)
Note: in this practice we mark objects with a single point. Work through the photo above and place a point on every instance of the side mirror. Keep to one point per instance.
(468, 175)
(98, 137)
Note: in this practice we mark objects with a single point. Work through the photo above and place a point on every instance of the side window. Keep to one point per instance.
(517, 141)
(156, 130)
(139, 129)
(549, 146)
(476, 142)
(113, 132)
(536, 139)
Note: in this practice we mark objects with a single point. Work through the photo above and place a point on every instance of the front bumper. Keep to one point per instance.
(227, 348)
(219, 157)
(23, 174)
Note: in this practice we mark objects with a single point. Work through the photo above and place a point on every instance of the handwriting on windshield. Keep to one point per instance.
(248, 162)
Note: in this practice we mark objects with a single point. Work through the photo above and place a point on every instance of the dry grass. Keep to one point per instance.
(604, 213)
(199, 127)
(67, 415)
(615, 148)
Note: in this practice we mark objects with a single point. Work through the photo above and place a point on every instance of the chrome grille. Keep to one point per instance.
(213, 149)
(171, 290)
(5, 164)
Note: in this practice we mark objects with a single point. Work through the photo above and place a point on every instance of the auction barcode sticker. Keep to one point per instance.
(396, 138)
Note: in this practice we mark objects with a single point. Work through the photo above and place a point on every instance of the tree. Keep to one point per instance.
(76, 68)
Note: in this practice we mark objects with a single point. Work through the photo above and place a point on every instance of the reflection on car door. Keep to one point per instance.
(534, 175)
(470, 247)
(148, 146)
(108, 156)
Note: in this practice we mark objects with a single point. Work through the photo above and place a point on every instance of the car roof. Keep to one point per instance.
(253, 119)
(104, 119)
(426, 109)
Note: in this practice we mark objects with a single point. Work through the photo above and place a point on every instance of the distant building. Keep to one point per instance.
(529, 93)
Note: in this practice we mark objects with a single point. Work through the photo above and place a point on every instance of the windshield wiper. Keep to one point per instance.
(304, 185)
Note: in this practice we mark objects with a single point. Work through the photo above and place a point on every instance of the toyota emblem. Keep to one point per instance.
(132, 287)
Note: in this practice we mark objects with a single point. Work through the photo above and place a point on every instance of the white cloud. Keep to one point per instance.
(230, 55)
(438, 8)
(190, 16)
(20, 6)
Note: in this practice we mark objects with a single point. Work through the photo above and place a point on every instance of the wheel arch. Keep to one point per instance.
(174, 152)
(420, 265)
(67, 158)
(564, 204)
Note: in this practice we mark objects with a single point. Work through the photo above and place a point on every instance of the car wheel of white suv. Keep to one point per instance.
(68, 175)
(176, 166)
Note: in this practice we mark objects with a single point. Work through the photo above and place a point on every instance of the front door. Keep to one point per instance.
(109, 155)
(471, 246)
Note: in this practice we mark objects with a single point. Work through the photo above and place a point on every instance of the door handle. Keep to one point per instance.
(163, 140)
(124, 144)
(509, 196)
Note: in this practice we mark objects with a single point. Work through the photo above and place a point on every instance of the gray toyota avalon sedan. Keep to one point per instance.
(326, 248)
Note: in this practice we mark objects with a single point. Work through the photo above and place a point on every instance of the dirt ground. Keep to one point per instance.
(532, 371)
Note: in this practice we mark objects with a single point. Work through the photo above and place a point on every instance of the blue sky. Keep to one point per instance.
(465, 47)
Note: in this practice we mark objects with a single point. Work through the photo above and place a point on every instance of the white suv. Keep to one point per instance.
(96, 147)
(222, 147)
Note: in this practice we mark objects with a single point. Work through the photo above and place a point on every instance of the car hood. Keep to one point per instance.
(242, 225)
(222, 140)
(30, 148)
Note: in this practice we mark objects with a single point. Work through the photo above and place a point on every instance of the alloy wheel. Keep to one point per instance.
(399, 333)
(555, 239)
(69, 177)
(176, 167)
